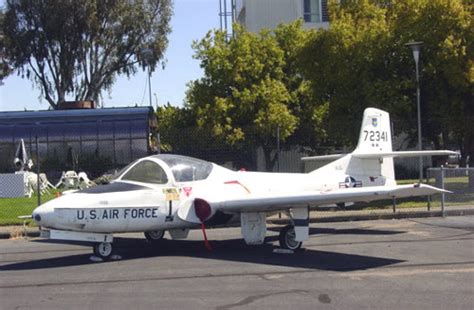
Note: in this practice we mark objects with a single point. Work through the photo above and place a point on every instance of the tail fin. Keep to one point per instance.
(371, 163)
(375, 134)
(375, 138)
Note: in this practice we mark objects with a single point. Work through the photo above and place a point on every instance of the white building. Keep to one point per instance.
(258, 14)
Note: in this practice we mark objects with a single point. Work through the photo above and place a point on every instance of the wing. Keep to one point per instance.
(276, 202)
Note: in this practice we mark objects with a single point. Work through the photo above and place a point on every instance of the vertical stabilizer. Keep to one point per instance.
(375, 138)
(375, 134)
(371, 163)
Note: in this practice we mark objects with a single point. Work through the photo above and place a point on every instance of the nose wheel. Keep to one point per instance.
(103, 250)
(287, 238)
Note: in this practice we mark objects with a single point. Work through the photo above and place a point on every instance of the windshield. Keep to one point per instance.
(146, 171)
(121, 171)
(186, 169)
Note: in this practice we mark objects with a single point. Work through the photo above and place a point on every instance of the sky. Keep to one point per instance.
(192, 19)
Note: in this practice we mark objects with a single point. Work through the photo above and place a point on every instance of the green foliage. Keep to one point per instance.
(4, 67)
(11, 208)
(251, 87)
(78, 47)
(180, 134)
(171, 123)
(347, 67)
(447, 82)
(362, 60)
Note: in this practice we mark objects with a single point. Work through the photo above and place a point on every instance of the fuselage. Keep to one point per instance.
(127, 204)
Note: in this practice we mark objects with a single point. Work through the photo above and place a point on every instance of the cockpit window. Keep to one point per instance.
(187, 169)
(146, 171)
(118, 174)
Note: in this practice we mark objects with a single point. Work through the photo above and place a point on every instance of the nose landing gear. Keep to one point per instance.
(104, 251)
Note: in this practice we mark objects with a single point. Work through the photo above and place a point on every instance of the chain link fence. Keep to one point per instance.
(97, 150)
(458, 181)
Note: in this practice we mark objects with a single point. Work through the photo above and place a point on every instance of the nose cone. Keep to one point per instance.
(37, 215)
(43, 214)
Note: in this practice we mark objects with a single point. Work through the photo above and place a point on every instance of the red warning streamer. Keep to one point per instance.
(206, 242)
(203, 211)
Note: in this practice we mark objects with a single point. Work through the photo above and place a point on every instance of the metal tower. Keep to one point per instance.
(227, 16)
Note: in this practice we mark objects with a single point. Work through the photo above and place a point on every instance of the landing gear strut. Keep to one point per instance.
(287, 238)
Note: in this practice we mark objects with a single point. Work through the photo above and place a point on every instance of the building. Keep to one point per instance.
(258, 14)
(109, 137)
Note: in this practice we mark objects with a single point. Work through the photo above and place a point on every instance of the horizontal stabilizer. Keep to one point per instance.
(323, 157)
(404, 154)
(382, 155)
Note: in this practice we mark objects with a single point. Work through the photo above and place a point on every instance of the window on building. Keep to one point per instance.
(312, 11)
(315, 11)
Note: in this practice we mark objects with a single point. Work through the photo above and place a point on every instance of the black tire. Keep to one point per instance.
(103, 250)
(154, 236)
(287, 238)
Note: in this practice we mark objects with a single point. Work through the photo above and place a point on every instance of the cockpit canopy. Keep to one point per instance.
(183, 168)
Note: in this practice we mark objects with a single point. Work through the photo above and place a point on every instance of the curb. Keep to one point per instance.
(326, 219)
(29, 233)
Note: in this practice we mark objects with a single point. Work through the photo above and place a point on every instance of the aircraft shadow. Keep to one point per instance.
(351, 231)
(223, 250)
(46, 263)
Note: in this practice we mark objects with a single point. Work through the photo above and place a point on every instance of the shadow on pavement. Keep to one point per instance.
(234, 250)
(351, 231)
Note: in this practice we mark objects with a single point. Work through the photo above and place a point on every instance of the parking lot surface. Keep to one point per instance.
(386, 264)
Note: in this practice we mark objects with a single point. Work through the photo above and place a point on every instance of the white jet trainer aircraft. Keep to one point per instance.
(175, 193)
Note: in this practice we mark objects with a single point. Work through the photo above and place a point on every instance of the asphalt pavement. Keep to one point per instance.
(425, 263)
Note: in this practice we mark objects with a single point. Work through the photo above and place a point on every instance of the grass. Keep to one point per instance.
(11, 208)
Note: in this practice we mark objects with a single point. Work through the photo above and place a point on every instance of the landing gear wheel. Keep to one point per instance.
(154, 236)
(287, 238)
(103, 250)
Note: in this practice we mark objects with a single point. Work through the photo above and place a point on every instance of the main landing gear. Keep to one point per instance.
(103, 250)
(154, 236)
(287, 238)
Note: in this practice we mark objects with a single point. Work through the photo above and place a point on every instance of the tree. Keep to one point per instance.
(180, 134)
(362, 60)
(346, 67)
(78, 47)
(4, 67)
(174, 126)
(250, 87)
(447, 60)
